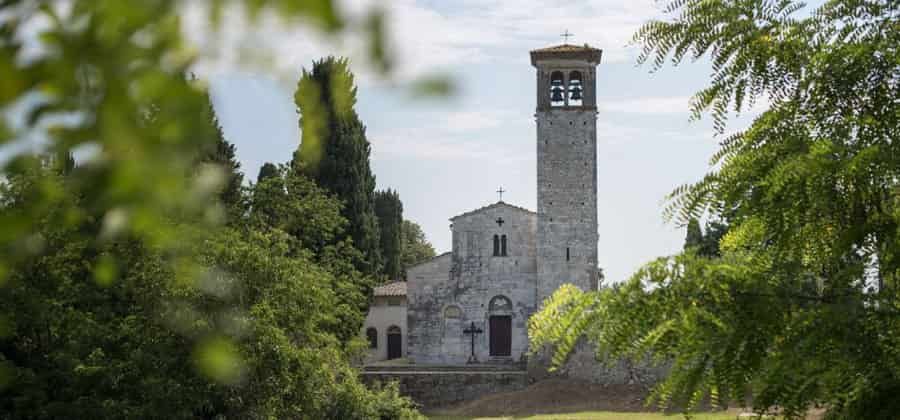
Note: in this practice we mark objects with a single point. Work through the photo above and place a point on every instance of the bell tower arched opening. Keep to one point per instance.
(575, 89)
(557, 89)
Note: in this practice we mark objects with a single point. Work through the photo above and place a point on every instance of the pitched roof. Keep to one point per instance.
(397, 288)
(567, 51)
(490, 206)
(566, 48)
(429, 260)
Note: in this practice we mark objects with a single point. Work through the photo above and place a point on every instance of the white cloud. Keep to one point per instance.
(473, 121)
(436, 141)
(425, 39)
(647, 105)
(425, 144)
(674, 105)
(447, 134)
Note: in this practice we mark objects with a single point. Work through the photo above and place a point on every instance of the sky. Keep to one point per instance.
(449, 156)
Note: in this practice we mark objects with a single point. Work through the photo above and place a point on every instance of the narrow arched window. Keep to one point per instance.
(372, 336)
(503, 245)
(496, 246)
(557, 89)
(575, 89)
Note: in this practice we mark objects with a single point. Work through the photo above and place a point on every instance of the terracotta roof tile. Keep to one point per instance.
(566, 48)
(397, 288)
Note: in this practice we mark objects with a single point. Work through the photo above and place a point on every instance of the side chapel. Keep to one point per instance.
(505, 259)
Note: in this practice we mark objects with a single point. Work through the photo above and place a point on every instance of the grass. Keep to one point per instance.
(601, 415)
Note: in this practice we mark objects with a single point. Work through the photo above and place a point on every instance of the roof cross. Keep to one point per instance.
(566, 36)
(501, 191)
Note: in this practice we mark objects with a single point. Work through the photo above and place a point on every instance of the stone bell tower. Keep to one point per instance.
(566, 118)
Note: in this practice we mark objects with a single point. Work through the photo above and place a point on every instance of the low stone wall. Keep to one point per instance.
(438, 386)
(582, 364)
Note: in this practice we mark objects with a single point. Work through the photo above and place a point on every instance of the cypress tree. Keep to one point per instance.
(216, 150)
(389, 210)
(335, 153)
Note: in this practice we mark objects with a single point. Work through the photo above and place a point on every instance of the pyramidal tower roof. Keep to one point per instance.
(567, 51)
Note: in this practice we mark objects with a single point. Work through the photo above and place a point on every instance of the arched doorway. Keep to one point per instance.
(394, 342)
(500, 326)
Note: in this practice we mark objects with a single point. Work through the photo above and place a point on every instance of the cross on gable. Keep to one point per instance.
(566, 36)
(501, 191)
(500, 221)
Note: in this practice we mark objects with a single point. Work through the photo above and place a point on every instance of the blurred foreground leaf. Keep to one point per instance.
(218, 358)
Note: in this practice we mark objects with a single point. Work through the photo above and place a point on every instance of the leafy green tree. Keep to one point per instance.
(101, 332)
(335, 153)
(714, 231)
(705, 243)
(416, 248)
(801, 307)
(694, 237)
(121, 295)
(389, 210)
(282, 310)
(119, 71)
(293, 204)
(267, 170)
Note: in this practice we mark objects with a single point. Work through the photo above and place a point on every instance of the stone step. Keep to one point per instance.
(445, 368)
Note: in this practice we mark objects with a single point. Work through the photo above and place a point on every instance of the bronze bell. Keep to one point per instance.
(557, 94)
(576, 93)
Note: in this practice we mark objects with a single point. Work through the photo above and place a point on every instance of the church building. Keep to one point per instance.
(505, 259)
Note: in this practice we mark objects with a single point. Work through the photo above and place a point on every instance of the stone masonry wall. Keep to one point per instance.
(567, 199)
(442, 388)
(423, 283)
(582, 365)
(443, 303)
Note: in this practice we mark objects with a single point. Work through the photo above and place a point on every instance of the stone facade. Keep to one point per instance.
(456, 289)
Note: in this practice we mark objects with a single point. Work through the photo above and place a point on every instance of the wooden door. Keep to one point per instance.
(501, 335)
(394, 344)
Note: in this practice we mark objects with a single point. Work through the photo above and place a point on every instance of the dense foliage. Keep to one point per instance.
(267, 170)
(122, 294)
(705, 242)
(801, 307)
(270, 317)
(291, 203)
(334, 151)
(415, 248)
(389, 210)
